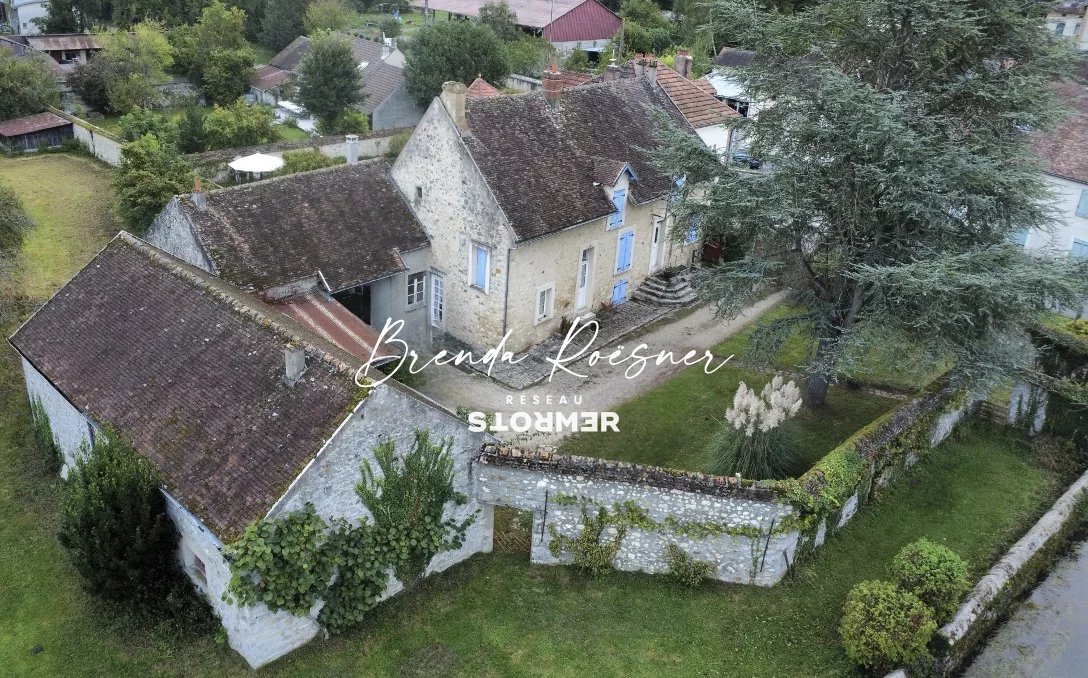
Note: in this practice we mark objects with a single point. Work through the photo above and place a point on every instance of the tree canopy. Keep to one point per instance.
(128, 72)
(151, 173)
(326, 15)
(328, 77)
(214, 54)
(899, 171)
(27, 86)
(283, 22)
(501, 19)
(453, 50)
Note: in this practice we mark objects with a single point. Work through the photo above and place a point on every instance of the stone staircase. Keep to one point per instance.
(670, 287)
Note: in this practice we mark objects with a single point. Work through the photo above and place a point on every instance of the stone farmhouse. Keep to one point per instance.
(540, 207)
(246, 413)
(341, 234)
(386, 102)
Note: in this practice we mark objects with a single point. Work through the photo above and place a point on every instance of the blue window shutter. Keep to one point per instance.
(1079, 249)
(1082, 206)
(481, 267)
(626, 248)
(693, 231)
(619, 199)
(1020, 237)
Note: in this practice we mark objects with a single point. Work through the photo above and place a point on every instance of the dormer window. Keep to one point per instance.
(619, 199)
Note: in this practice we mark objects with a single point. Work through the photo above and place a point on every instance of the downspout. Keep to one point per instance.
(506, 292)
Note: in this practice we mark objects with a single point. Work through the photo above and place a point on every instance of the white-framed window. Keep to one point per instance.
(479, 267)
(417, 288)
(1059, 28)
(438, 301)
(545, 303)
(197, 567)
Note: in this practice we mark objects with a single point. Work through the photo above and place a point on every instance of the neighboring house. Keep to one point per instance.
(727, 86)
(482, 88)
(540, 207)
(18, 45)
(386, 101)
(1069, 20)
(43, 130)
(24, 12)
(246, 414)
(567, 24)
(344, 232)
(1064, 154)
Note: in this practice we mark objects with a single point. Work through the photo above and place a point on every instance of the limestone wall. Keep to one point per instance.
(98, 141)
(711, 518)
(71, 430)
(172, 232)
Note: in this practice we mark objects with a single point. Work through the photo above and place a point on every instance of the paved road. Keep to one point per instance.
(1047, 637)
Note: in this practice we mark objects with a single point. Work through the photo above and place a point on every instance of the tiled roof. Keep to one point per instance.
(380, 81)
(192, 371)
(30, 124)
(589, 20)
(330, 320)
(731, 57)
(289, 57)
(348, 222)
(482, 88)
(532, 13)
(698, 106)
(571, 79)
(268, 76)
(1064, 151)
(539, 159)
(63, 41)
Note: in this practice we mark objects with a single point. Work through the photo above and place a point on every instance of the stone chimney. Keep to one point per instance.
(552, 84)
(646, 67)
(683, 63)
(199, 198)
(352, 141)
(294, 358)
(453, 98)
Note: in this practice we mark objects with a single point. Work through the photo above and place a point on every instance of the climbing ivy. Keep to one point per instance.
(297, 559)
(43, 437)
(588, 551)
(281, 562)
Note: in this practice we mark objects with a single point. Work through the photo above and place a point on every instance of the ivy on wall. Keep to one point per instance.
(295, 560)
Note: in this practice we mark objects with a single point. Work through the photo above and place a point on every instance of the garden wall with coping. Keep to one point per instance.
(753, 532)
(1014, 575)
(98, 142)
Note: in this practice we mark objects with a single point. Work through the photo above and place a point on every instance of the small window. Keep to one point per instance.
(197, 568)
(693, 231)
(480, 265)
(419, 194)
(1079, 250)
(619, 199)
(1020, 237)
(545, 302)
(1082, 205)
(1059, 28)
(417, 288)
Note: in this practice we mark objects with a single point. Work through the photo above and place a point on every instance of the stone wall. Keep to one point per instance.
(398, 111)
(172, 232)
(100, 143)
(747, 545)
(455, 206)
(71, 430)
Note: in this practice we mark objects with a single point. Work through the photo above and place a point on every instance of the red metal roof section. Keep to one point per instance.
(329, 319)
(30, 124)
(588, 21)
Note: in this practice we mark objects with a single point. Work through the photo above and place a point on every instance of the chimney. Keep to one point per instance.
(612, 72)
(453, 98)
(552, 84)
(646, 67)
(683, 63)
(199, 198)
(294, 358)
(353, 148)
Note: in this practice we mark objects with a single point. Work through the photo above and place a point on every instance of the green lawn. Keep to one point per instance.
(495, 615)
(69, 198)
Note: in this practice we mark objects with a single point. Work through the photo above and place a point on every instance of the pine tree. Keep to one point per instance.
(898, 171)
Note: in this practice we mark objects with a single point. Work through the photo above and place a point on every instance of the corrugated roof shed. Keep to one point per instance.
(30, 124)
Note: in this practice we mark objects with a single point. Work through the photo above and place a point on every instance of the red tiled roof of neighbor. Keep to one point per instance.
(30, 124)
(698, 106)
(530, 13)
(588, 21)
(330, 320)
(1064, 151)
(268, 76)
(482, 88)
(191, 370)
(570, 79)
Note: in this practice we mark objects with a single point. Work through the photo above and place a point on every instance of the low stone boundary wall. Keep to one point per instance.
(100, 143)
(1017, 572)
(753, 532)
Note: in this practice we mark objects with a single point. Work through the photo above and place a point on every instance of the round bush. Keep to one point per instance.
(934, 573)
(884, 626)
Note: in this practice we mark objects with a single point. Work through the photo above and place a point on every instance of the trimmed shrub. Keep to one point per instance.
(884, 626)
(935, 574)
(685, 569)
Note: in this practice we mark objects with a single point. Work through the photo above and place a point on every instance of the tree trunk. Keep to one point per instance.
(816, 390)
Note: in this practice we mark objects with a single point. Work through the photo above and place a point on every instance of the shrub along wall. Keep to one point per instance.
(751, 531)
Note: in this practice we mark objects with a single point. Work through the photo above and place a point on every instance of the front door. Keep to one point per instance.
(438, 300)
(581, 297)
(655, 245)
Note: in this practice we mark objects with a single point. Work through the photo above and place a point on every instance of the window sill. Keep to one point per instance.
(545, 319)
(481, 290)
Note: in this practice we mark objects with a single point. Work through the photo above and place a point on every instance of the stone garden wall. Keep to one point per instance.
(753, 532)
(100, 143)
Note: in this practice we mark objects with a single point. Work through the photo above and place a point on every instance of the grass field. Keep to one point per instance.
(495, 615)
